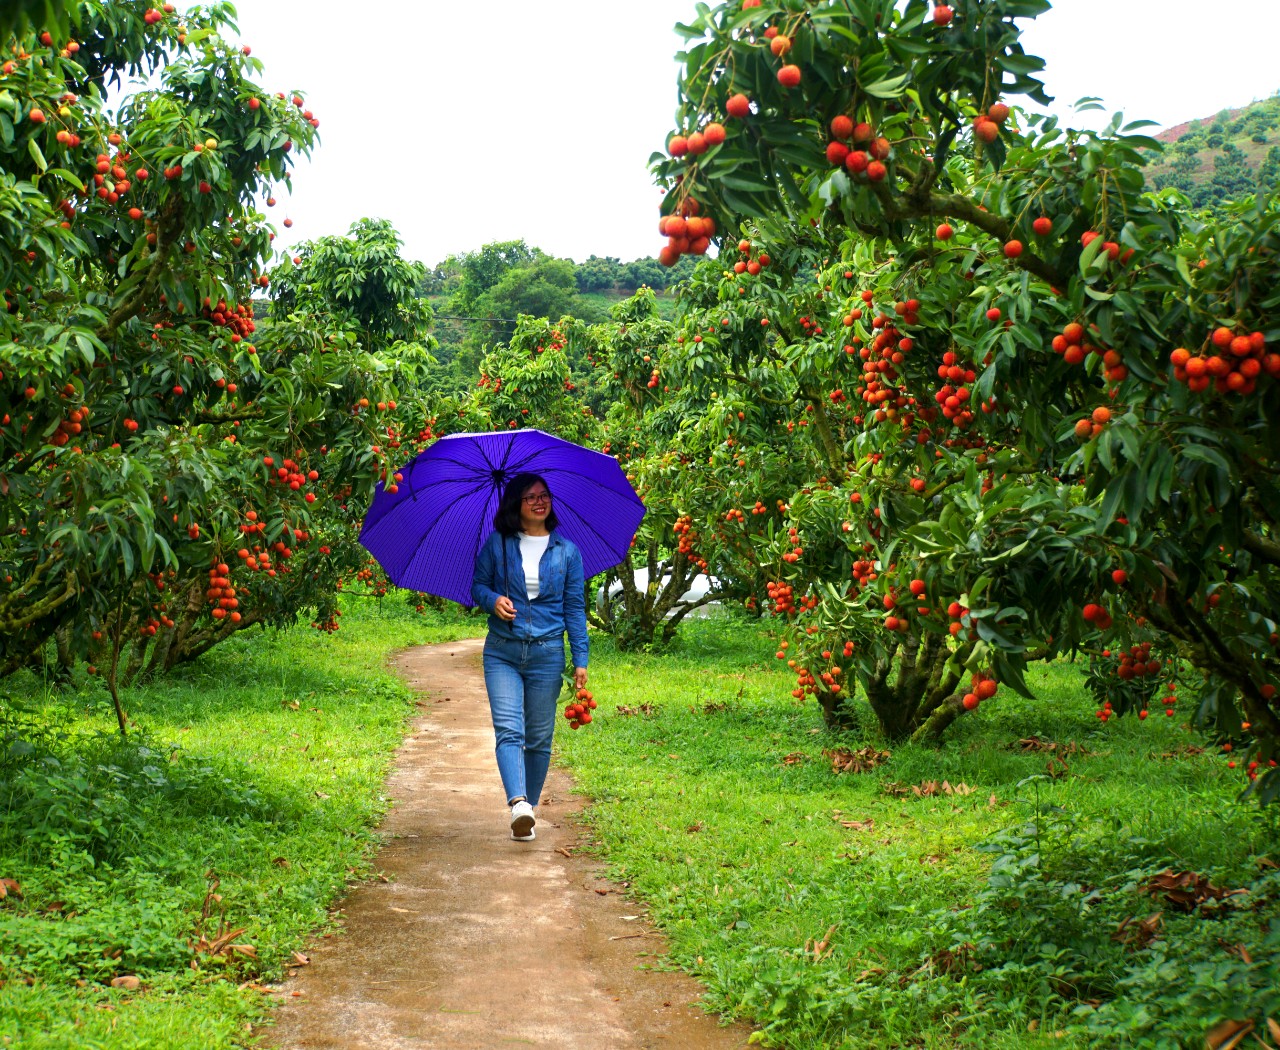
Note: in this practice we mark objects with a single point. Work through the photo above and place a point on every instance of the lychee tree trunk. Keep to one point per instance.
(836, 710)
(913, 690)
(639, 618)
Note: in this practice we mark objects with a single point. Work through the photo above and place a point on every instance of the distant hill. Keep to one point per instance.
(1224, 156)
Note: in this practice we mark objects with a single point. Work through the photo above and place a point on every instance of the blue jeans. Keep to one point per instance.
(523, 678)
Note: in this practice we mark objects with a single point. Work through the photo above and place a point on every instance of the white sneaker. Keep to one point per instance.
(522, 821)
(524, 838)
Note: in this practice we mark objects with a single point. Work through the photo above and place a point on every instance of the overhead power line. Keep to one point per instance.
(499, 320)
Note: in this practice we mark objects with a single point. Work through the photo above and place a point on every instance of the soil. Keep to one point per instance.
(475, 941)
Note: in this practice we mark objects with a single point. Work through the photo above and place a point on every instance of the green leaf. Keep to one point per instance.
(1205, 454)
(1089, 254)
(1021, 64)
(71, 177)
(890, 87)
(34, 149)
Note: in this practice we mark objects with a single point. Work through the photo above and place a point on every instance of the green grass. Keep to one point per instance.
(978, 918)
(742, 855)
(260, 765)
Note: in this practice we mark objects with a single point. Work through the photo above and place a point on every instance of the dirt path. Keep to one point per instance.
(478, 942)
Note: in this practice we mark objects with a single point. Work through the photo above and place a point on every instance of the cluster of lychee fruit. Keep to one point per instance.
(783, 597)
(686, 231)
(237, 320)
(579, 712)
(865, 153)
(1230, 360)
(222, 595)
(747, 264)
(1093, 424)
(982, 687)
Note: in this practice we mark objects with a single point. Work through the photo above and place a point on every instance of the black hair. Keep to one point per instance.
(507, 520)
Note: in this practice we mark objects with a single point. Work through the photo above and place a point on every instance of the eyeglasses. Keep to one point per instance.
(537, 497)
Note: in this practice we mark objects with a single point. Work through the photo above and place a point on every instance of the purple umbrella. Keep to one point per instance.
(428, 534)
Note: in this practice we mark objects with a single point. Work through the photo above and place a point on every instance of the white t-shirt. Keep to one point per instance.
(531, 550)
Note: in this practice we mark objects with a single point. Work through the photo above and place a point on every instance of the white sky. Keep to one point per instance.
(537, 120)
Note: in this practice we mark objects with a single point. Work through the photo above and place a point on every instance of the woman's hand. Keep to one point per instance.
(579, 677)
(504, 609)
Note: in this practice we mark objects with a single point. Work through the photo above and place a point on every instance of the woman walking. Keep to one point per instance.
(529, 579)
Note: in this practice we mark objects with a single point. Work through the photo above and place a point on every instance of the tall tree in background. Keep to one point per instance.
(361, 277)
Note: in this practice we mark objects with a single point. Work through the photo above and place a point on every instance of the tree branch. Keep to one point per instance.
(1263, 546)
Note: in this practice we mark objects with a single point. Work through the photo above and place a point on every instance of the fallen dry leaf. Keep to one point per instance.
(1185, 751)
(928, 788)
(1241, 952)
(1056, 768)
(129, 983)
(1033, 744)
(301, 960)
(860, 761)
(1267, 862)
(247, 950)
(1228, 1035)
(1138, 933)
(1273, 1026)
(1185, 890)
(858, 825)
(8, 887)
(218, 945)
(646, 709)
(794, 758)
(821, 948)
(952, 960)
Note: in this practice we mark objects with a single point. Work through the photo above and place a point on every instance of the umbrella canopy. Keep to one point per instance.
(428, 534)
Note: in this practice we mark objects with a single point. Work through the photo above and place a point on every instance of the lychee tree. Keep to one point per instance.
(652, 433)
(1057, 411)
(171, 470)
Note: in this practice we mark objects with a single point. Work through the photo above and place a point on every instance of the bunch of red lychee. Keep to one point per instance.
(579, 712)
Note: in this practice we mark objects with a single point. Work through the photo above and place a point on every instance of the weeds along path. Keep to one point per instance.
(475, 941)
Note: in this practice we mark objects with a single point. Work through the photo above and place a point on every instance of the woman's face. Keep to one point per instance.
(535, 505)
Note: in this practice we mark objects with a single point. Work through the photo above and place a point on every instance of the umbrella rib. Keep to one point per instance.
(596, 482)
(426, 533)
(585, 524)
(480, 484)
(441, 459)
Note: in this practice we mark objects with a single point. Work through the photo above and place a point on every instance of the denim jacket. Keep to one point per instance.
(561, 605)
